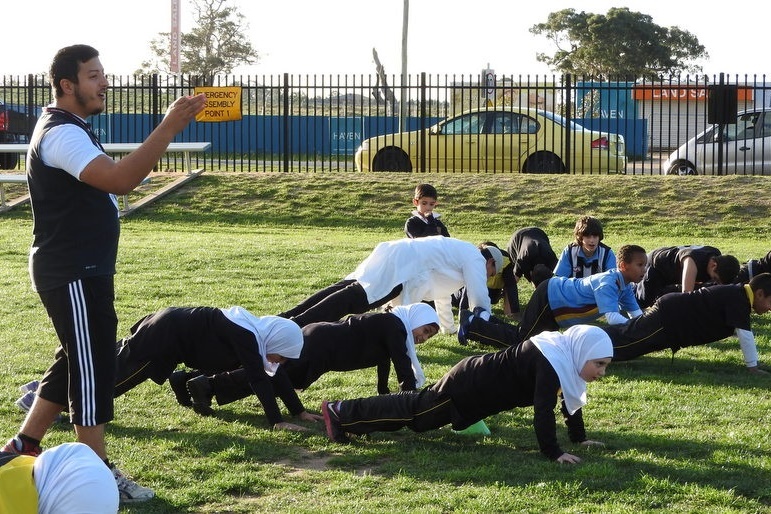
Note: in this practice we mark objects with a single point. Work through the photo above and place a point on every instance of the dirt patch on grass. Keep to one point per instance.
(312, 461)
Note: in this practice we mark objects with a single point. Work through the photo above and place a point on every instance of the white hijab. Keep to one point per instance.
(413, 316)
(568, 352)
(273, 334)
(72, 478)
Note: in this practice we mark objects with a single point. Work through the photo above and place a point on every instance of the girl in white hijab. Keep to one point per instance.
(569, 353)
(533, 373)
(374, 339)
(215, 340)
(71, 478)
(414, 316)
(65, 479)
(274, 335)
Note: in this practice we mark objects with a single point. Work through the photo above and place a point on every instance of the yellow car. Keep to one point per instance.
(497, 139)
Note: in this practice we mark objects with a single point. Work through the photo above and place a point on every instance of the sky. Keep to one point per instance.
(336, 37)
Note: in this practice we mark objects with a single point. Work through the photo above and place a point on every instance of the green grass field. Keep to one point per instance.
(683, 434)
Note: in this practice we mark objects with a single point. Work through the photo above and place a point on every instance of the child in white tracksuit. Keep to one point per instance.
(407, 271)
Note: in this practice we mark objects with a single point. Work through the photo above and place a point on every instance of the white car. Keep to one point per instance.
(746, 147)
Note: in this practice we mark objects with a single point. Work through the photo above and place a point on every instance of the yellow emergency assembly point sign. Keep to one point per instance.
(222, 103)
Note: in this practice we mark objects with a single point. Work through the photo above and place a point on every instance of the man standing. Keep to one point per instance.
(72, 184)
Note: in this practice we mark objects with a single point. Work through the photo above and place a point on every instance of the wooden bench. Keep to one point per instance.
(186, 149)
(13, 178)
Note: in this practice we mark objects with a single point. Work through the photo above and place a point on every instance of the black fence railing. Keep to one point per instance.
(452, 123)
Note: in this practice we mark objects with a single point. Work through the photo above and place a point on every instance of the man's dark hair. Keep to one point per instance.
(66, 64)
(727, 268)
(587, 226)
(761, 281)
(627, 253)
(428, 190)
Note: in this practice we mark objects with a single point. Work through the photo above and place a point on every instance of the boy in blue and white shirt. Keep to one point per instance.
(587, 254)
(560, 302)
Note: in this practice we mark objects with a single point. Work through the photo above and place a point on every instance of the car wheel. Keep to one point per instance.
(543, 162)
(391, 159)
(682, 168)
(8, 161)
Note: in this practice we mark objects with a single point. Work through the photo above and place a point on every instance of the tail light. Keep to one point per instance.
(3, 120)
(601, 143)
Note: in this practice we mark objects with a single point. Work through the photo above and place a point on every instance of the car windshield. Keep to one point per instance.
(749, 125)
(556, 118)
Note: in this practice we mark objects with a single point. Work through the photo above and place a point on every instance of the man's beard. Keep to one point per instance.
(83, 103)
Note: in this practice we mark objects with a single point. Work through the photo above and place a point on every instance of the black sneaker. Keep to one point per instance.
(332, 421)
(465, 317)
(201, 395)
(178, 383)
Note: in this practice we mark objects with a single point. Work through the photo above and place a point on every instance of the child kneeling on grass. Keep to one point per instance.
(537, 372)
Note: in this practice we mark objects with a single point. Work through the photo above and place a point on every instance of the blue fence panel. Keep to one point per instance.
(345, 135)
(315, 135)
(635, 132)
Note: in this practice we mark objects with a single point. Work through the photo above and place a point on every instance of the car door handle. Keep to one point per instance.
(744, 148)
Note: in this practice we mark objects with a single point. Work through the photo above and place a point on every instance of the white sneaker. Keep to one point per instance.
(129, 490)
(25, 402)
(29, 386)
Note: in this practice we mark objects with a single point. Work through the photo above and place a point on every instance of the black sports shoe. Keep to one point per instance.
(465, 317)
(334, 429)
(178, 383)
(201, 395)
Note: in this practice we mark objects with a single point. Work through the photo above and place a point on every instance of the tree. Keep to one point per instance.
(215, 45)
(622, 44)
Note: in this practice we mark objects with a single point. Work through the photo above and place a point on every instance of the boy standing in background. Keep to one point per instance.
(424, 221)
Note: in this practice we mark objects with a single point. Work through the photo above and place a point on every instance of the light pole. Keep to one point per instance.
(403, 97)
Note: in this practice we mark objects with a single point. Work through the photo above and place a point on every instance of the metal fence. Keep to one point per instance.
(316, 123)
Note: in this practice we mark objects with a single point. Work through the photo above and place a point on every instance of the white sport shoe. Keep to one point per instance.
(29, 386)
(129, 490)
(25, 402)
